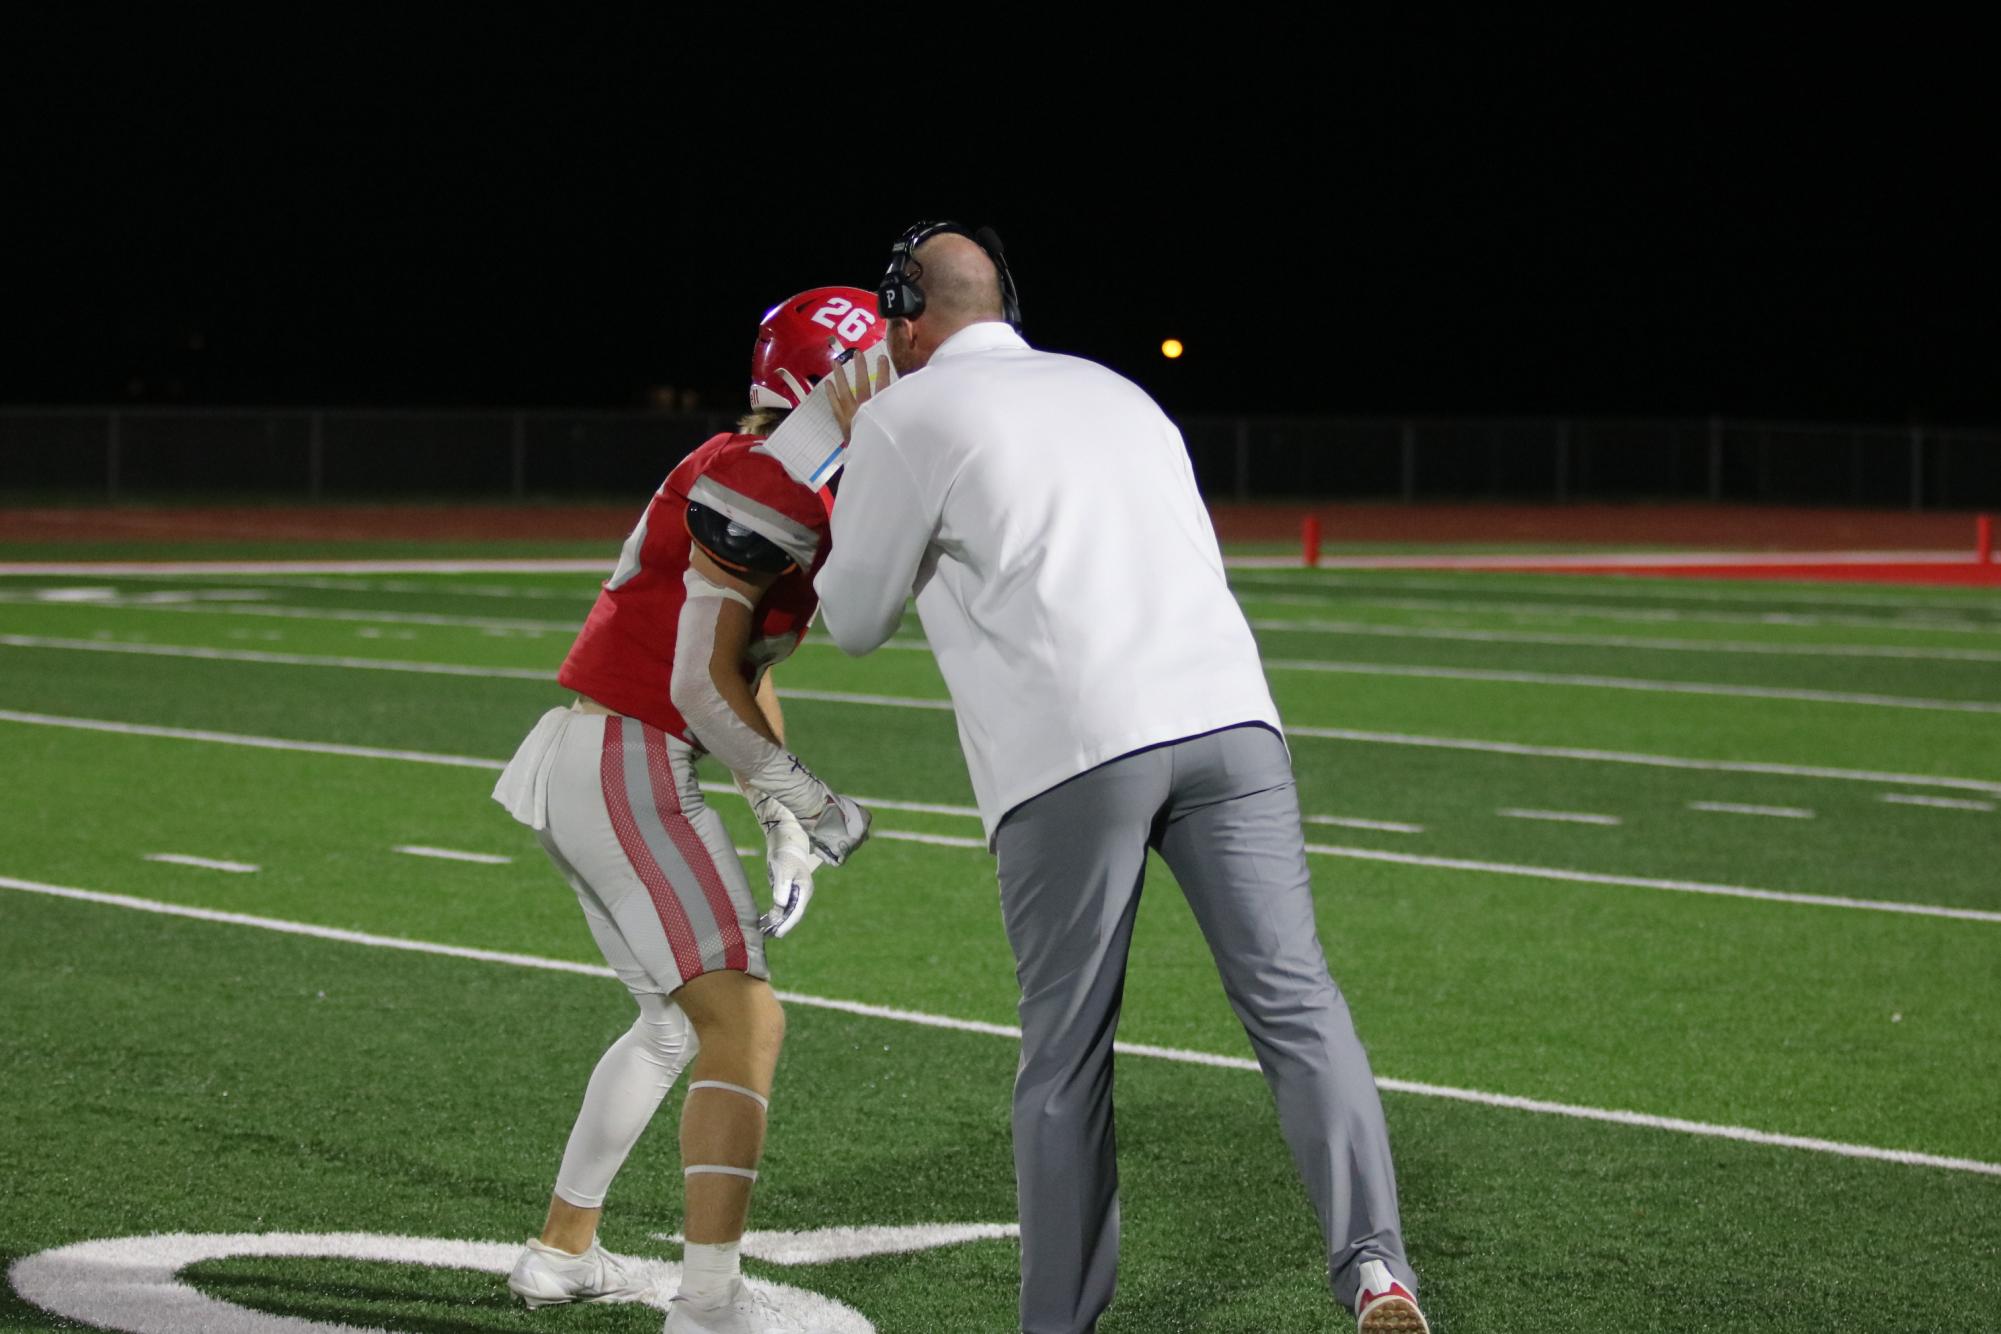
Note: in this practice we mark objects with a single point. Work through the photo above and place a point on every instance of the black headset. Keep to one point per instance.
(899, 297)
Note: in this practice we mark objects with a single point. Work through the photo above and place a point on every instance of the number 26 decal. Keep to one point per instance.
(856, 324)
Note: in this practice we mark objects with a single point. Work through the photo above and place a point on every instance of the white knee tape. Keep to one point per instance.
(752, 1094)
(710, 1169)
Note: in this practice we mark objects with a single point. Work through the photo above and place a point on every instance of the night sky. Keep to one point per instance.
(1492, 216)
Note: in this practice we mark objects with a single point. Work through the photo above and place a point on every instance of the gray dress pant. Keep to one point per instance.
(1224, 814)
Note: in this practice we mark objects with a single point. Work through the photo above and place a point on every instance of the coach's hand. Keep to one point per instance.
(848, 395)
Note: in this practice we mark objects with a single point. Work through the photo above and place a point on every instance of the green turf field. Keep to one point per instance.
(1670, 911)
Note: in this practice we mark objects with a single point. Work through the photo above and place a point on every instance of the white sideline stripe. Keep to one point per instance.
(1558, 817)
(253, 742)
(349, 614)
(1358, 854)
(1574, 611)
(1659, 590)
(945, 706)
(205, 863)
(581, 595)
(968, 812)
(1738, 808)
(1349, 822)
(936, 840)
(143, 567)
(873, 803)
(1594, 562)
(861, 1009)
(1319, 627)
(1633, 683)
(450, 855)
(1643, 758)
(542, 674)
(1944, 803)
(1649, 882)
(887, 701)
(279, 659)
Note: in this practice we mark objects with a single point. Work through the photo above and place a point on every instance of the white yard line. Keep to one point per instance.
(935, 840)
(1558, 817)
(1633, 683)
(1738, 808)
(1358, 854)
(1350, 822)
(911, 702)
(348, 614)
(254, 742)
(278, 659)
(204, 863)
(1576, 611)
(1327, 733)
(1943, 803)
(1605, 561)
(1510, 1102)
(396, 665)
(188, 567)
(1540, 585)
(1650, 882)
(1588, 755)
(1365, 628)
(451, 855)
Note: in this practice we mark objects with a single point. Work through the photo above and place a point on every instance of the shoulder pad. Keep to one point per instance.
(736, 548)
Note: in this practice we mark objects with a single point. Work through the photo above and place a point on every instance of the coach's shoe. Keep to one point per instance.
(545, 1276)
(1385, 1305)
(732, 1311)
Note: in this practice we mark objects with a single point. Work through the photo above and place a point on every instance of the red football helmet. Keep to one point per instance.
(798, 339)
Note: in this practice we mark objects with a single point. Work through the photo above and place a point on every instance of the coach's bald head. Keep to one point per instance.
(961, 286)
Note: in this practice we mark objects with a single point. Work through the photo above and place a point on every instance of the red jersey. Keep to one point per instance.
(624, 656)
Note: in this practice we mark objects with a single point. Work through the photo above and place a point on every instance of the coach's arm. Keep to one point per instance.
(881, 526)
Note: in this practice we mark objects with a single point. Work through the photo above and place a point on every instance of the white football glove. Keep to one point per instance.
(840, 828)
(791, 877)
(789, 862)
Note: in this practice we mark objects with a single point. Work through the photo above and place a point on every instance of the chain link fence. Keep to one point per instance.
(118, 454)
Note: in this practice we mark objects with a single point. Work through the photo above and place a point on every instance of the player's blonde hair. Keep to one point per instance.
(761, 421)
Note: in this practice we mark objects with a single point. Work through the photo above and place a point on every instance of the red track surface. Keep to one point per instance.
(1547, 527)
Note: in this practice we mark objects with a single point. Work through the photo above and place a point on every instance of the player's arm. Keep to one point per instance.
(730, 566)
(730, 638)
(767, 704)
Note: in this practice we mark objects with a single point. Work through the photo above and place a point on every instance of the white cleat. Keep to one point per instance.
(1386, 1306)
(545, 1276)
(735, 1311)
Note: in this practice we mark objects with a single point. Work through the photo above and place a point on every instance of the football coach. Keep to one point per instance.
(1109, 700)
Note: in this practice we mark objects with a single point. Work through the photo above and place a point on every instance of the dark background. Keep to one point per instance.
(1762, 217)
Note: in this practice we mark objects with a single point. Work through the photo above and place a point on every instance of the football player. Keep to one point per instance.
(713, 588)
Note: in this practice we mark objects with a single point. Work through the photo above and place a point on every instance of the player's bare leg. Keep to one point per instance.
(741, 1027)
(570, 1227)
(564, 1263)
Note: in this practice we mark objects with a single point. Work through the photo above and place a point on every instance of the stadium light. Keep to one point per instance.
(1171, 349)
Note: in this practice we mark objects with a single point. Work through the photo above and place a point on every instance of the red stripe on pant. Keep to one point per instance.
(667, 801)
(618, 802)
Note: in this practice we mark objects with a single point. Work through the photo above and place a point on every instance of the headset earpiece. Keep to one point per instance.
(899, 297)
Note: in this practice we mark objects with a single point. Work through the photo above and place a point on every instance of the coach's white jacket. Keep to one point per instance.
(1044, 511)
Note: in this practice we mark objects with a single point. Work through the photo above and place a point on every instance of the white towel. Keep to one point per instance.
(524, 784)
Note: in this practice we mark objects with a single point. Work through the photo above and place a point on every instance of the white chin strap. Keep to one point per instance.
(760, 397)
